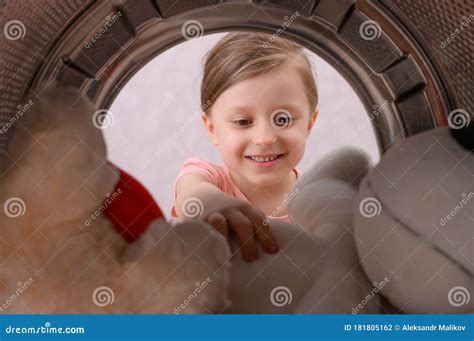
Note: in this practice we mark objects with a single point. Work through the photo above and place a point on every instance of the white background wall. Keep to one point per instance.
(156, 119)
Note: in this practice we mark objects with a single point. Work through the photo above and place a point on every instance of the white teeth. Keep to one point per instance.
(264, 159)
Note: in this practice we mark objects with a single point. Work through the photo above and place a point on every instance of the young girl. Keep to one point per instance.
(261, 103)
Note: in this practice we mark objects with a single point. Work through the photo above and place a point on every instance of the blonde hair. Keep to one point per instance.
(242, 55)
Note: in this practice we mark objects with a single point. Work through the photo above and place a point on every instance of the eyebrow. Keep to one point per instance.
(247, 108)
(292, 107)
(242, 107)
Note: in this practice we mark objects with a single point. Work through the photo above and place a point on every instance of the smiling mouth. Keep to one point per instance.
(264, 159)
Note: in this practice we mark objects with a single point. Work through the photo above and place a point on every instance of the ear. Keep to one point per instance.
(209, 128)
(312, 121)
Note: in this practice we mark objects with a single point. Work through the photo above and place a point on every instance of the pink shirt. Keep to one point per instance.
(219, 176)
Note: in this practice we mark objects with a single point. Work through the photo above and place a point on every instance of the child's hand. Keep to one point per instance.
(231, 214)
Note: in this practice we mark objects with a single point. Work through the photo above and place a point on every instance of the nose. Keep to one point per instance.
(264, 134)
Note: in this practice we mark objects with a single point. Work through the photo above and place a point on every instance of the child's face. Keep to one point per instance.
(265, 115)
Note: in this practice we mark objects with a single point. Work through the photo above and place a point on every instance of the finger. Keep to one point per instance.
(242, 227)
(262, 230)
(218, 221)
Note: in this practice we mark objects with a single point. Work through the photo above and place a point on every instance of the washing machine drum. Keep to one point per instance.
(411, 56)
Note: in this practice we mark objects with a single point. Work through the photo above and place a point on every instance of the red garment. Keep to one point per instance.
(130, 207)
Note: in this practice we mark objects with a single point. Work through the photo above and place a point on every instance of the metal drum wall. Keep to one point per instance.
(414, 55)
